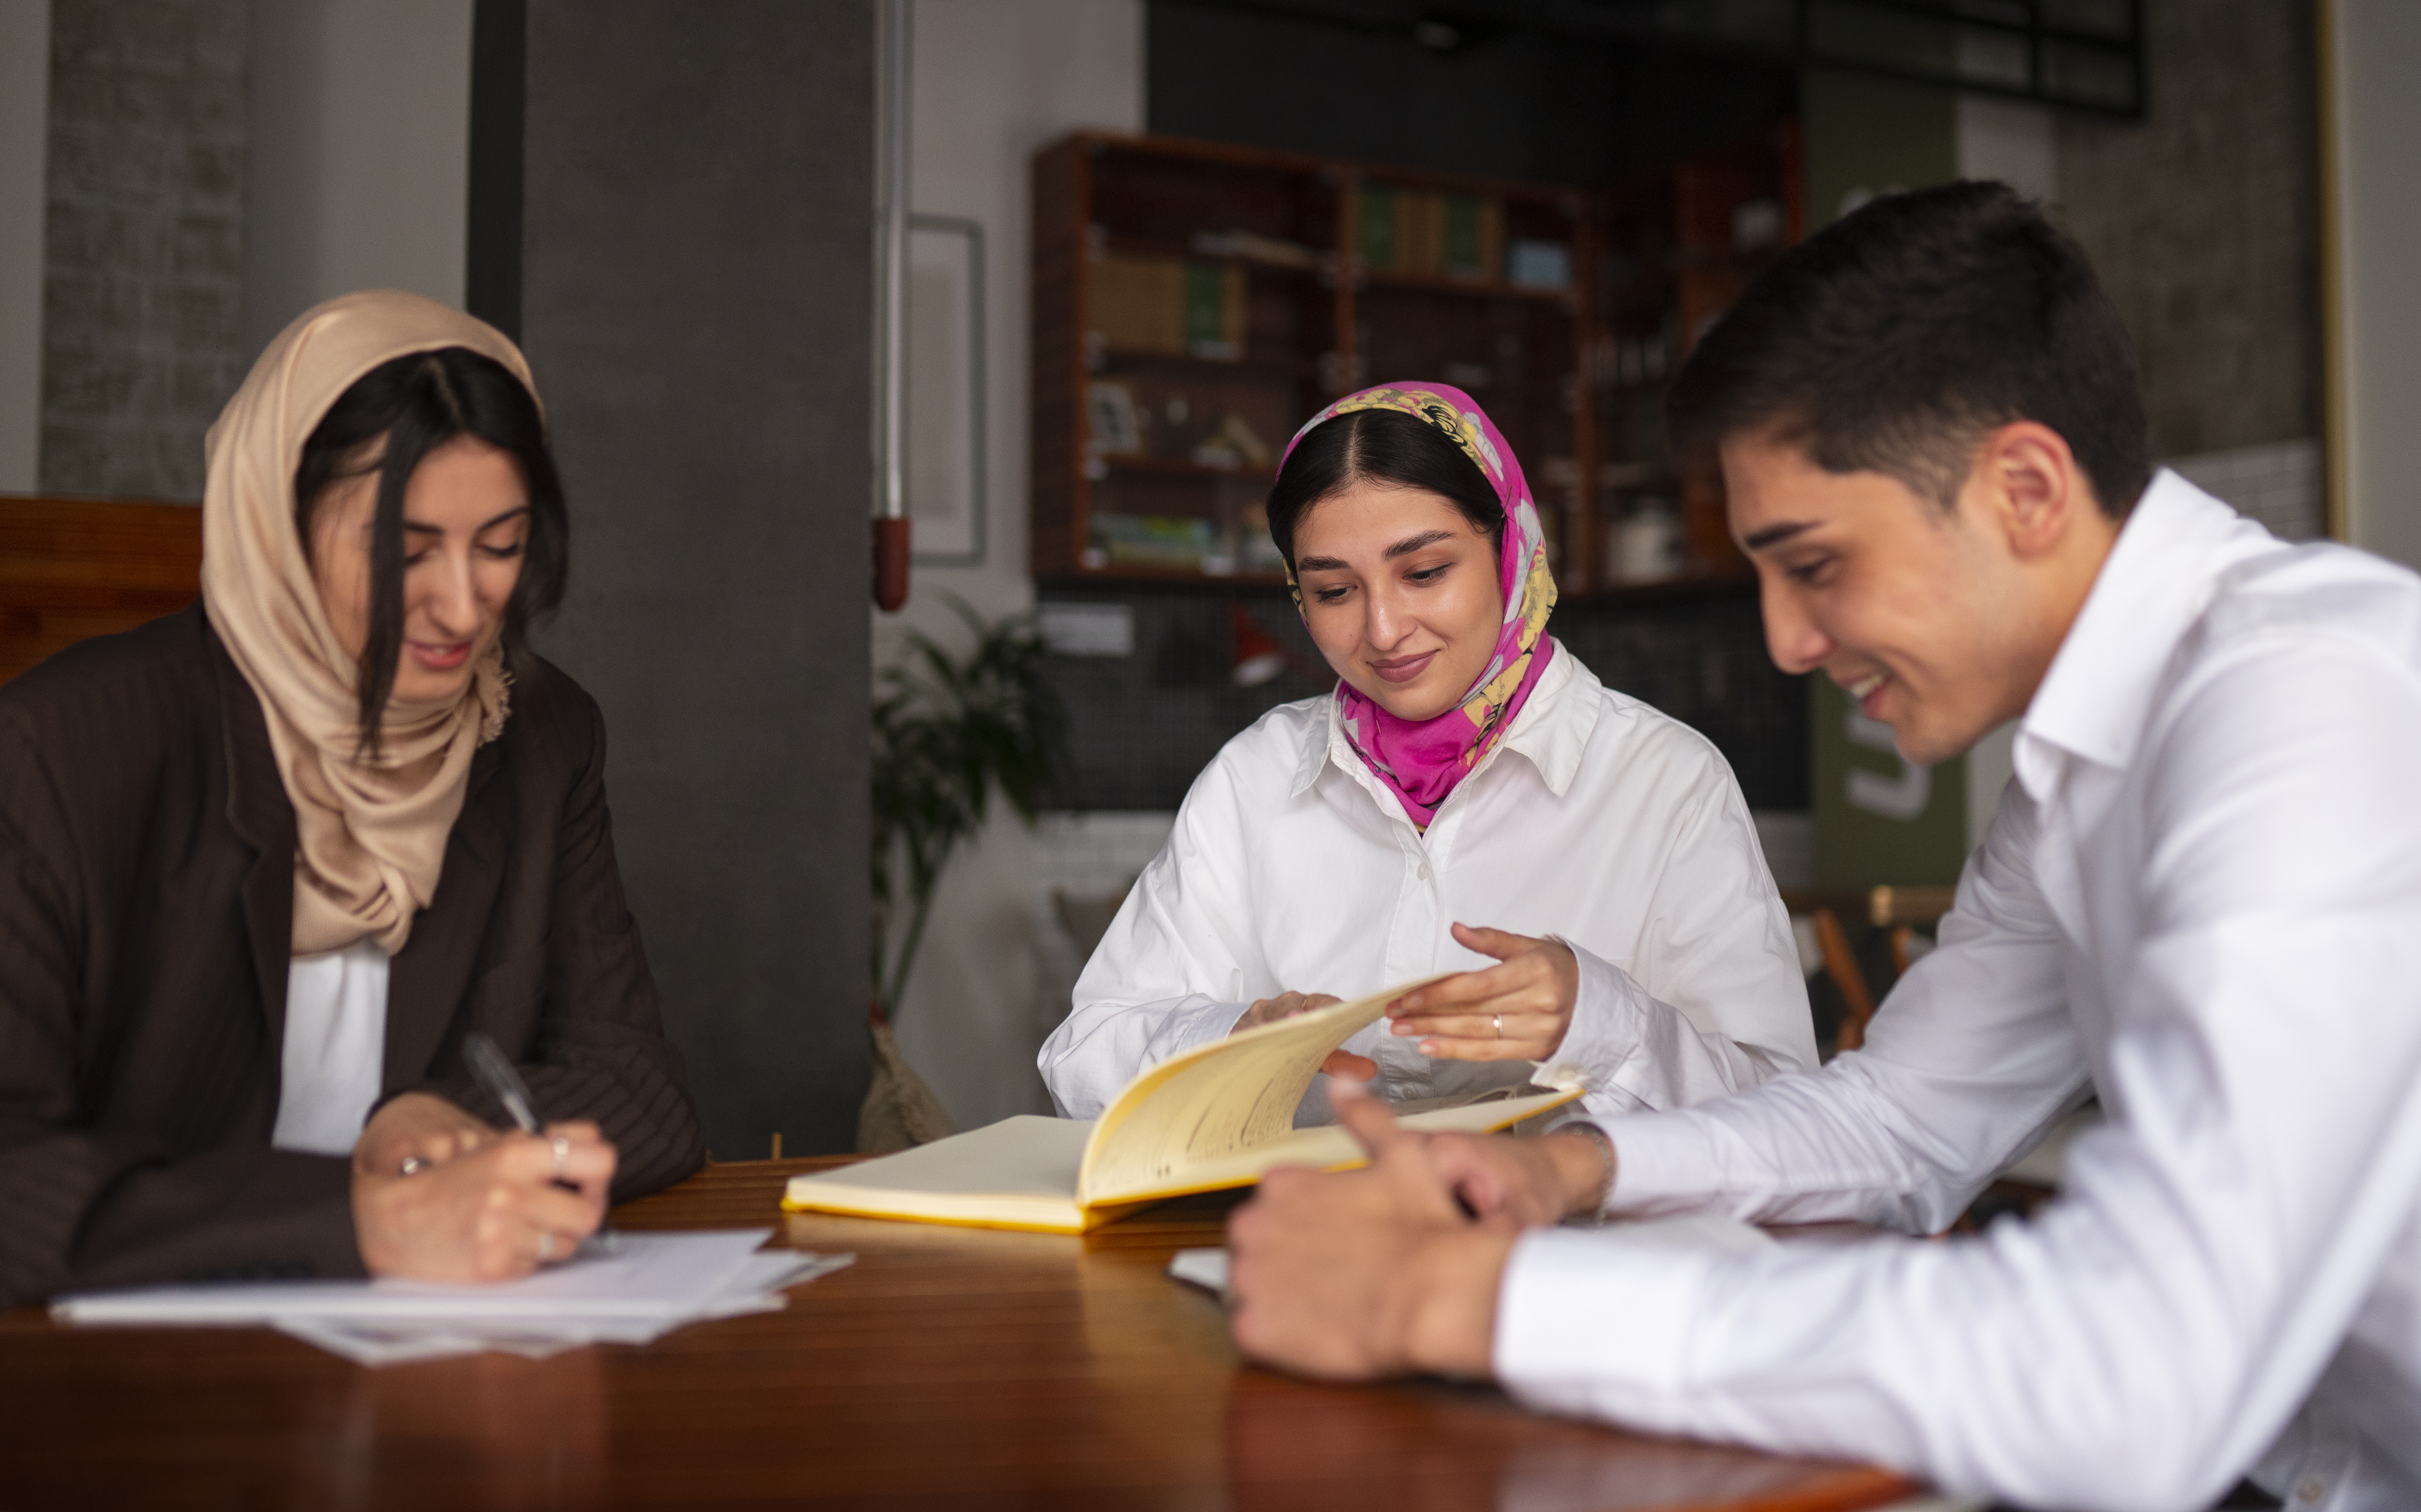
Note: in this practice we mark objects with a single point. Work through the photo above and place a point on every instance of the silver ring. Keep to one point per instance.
(414, 1165)
(562, 1154)
(545, 1245)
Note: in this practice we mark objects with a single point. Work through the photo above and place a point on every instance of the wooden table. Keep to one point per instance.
(946, 1367)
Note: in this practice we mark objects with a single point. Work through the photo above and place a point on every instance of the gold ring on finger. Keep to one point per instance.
(1498, 1019)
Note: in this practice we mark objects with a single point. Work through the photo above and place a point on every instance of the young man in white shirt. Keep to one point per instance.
(2201, 899)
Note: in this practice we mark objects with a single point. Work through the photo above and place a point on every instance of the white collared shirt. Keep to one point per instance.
(1596, 820)
(2201, 899)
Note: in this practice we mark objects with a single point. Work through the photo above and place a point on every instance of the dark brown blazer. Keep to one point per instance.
(146, 888)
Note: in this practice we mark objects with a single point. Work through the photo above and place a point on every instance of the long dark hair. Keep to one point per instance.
(418, 403)
(1379, 446)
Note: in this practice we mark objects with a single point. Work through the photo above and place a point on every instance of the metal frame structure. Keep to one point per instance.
(2084, 55)
(979, 391)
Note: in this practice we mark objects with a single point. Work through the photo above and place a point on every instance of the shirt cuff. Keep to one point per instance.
(1199, 1022)
(1590, 1324)
(1663, 1164)
(1608, 1028)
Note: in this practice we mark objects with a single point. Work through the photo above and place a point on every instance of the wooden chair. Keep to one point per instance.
(73, 568)
(1901, 910)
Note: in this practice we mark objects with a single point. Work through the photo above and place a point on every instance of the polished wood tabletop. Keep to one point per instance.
(949, 1367)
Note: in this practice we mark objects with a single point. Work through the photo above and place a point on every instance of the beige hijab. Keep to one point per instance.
(370, 835)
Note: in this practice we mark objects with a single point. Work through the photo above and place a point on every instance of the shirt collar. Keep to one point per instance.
(1555, 722)
(2156, 581)
(1552, 743)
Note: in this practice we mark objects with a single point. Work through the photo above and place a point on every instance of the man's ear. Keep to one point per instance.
(2033, 487)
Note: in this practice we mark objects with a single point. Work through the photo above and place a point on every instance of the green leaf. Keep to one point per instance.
(948, 732)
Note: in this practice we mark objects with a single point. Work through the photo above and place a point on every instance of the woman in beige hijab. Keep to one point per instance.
(266, 864)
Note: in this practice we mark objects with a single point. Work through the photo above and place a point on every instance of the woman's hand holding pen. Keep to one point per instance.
(1517, 1010)
(489, 1213)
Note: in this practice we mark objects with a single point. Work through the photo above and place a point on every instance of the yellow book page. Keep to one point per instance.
(1331, 1148)
(1205, 1105)
(1019, 1172)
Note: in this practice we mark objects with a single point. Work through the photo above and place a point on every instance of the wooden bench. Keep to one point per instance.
(73, 568)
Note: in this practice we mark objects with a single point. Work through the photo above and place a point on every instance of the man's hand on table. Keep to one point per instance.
(1382, 1271)
(1533, 1182)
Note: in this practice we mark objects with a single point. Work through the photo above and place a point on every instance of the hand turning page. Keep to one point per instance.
(1213, 1117)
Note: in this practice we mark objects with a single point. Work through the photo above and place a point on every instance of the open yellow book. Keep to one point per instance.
(1216, 1116)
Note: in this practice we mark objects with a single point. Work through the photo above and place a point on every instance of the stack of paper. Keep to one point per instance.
(1208, 1268)
(640, 1288)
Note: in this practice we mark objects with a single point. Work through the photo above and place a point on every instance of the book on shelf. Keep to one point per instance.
(1167, 306)
(1180, 543)
(1429, 233)
(1275, 252)
(1217, 1116)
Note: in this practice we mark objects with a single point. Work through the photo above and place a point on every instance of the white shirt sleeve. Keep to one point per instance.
(1170, 972)
(1714, 1002)
(1971, 1058)
(2140, 1343)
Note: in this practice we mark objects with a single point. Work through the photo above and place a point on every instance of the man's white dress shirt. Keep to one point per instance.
(335, 1054)
(1596, 820)
(2201, 899)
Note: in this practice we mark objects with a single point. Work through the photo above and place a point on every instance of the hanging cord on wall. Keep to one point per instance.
(891, 303)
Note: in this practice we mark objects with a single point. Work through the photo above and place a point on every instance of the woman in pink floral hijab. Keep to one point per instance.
(1421, 759)
(1470, 800)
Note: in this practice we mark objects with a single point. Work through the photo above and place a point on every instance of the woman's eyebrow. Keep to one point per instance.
(483, 529)
(1319, 563)
(1413, 543)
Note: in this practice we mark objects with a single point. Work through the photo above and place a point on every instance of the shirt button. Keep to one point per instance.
(1425, 871)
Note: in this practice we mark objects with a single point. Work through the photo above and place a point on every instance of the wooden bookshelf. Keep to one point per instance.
(1676, 247)
(1196, 301)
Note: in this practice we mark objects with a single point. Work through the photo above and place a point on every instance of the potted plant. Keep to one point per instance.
(948, 731)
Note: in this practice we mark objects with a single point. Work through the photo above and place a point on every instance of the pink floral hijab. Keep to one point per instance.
(1421, 760)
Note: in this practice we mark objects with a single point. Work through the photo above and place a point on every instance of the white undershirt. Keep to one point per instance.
(336, 1048)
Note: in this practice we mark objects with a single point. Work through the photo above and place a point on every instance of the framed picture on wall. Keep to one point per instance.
(946, 389)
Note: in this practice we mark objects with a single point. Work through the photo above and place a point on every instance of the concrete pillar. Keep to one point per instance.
(696, 284)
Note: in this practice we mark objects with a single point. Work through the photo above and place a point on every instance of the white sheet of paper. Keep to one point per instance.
(650, 1276)
(652, 1285)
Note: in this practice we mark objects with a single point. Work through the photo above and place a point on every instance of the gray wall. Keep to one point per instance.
(696, 283)
(361, 125)
(143, 289)
(2375, 48)
(24, 141)
(2204, 222)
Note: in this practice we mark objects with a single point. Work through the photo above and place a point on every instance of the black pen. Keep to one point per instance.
(495, 1070)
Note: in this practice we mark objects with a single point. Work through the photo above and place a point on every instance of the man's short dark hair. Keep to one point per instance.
(1894, 340)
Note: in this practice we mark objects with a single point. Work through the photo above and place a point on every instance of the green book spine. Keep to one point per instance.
(1206, 310)
(1466, 236)
(1378, 227)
